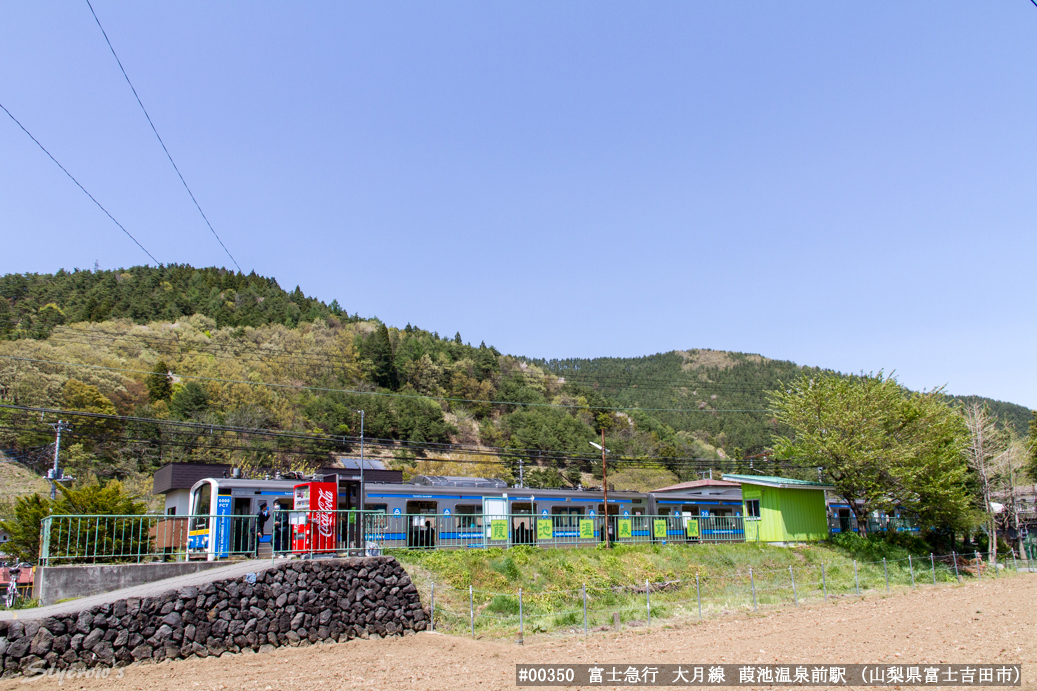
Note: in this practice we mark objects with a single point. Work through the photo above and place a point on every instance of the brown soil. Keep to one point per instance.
(991, 622)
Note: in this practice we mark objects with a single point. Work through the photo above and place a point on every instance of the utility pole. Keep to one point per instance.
(55, 474)
(522, 477)
(361, 468)
(605, 489)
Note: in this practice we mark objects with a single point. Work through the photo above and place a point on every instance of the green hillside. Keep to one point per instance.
(725, 391)
(195, 357)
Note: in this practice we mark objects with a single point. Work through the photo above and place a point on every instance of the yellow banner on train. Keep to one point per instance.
(692, 526)
(586, 529)
(660, 528)
(498, 530)
(545, 529)
(623, 529)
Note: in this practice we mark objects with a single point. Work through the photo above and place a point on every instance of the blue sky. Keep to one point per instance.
(846, 185)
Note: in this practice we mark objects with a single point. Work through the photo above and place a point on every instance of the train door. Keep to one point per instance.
(523, 528)
(242, 535)
(690, 522)
(844, 520)
(281, 535)
(423, 520)
(495, 520)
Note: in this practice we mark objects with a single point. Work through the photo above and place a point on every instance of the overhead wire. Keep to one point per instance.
(80, 186)
(159, 137)
(390, 444)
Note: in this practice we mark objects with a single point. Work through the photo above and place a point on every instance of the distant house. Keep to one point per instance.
(779, 509)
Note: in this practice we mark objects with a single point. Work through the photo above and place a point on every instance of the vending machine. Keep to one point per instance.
(313, 517)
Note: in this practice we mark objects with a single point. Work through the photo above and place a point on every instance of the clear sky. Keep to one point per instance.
(848, 185)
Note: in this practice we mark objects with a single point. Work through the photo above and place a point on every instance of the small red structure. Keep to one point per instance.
(314, 524)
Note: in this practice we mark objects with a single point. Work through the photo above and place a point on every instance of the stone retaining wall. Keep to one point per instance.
(290, 604)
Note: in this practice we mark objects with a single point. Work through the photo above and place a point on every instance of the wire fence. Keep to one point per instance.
(481, 613)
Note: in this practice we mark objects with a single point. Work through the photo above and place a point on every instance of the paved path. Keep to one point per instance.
(145, 590)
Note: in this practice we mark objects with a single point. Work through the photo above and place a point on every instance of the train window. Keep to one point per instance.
(377, 508)
(202, 506)
(566, 516)
(468, 516)
(752, 508)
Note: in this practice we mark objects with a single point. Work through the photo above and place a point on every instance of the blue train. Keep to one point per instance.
(439, 511)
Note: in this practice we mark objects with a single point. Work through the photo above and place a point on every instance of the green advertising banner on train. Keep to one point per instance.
(499, 530)
(660, 528)
(692, 526)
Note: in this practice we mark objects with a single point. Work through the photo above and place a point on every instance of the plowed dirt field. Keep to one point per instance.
(989, 622)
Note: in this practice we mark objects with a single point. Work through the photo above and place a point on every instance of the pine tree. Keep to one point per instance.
(160, 388)
(380, 353)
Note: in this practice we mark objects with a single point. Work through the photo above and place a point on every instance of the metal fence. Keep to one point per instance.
(96, 539)
(467, 531)
(108, 539)
(518, 613)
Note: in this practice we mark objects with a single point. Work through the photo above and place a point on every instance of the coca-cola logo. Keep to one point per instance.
(326, 517)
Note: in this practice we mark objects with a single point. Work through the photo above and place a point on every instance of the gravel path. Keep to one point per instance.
(990, 622)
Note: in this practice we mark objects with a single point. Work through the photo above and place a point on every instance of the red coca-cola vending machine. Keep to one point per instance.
(313, 517)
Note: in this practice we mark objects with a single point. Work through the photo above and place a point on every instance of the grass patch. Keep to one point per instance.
(552, 581)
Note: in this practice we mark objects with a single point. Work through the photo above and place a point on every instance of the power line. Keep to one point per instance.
(386, 394)
(153, 129)
(201, 428)
(70, 177)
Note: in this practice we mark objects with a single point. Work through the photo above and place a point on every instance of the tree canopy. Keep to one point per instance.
(882, 447)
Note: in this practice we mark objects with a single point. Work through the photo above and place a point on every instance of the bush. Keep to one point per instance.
(882, 545)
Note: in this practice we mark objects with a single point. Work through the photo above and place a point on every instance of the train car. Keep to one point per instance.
(700, 511)
(223, 515)
(443, 511)
(464, 512)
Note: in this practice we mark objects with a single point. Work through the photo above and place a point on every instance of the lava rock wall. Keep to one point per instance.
(302, 601)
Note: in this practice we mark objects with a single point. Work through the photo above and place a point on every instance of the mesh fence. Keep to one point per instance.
(482, 613)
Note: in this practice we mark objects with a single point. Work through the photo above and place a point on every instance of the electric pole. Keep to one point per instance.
(55, 473)
(604, 485)
(605, 488)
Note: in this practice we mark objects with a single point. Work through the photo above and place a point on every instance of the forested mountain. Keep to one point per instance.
(34, 304)
(216, 365)
(718, 395)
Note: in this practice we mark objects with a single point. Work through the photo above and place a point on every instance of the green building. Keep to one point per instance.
(780, 509)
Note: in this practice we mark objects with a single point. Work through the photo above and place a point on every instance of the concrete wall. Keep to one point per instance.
(55, 583)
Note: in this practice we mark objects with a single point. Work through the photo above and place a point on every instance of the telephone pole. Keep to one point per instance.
(604, 486)
(55, 473)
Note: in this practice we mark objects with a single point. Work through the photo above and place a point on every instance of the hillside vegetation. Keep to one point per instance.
(216, 349)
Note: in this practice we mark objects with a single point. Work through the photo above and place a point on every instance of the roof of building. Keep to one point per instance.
(694, 484)
(354, 463)
(773, 481)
